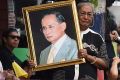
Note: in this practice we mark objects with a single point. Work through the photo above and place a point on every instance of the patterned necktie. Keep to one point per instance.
(51, 55)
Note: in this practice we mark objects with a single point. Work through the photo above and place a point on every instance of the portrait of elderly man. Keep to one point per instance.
(62, 47)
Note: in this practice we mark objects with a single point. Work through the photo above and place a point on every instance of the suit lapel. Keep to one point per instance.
(61, 55)
(47, 54)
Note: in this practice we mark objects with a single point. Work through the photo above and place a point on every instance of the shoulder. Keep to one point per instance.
(45, 51)
(70, 41)
(4, 51)
(96, 34)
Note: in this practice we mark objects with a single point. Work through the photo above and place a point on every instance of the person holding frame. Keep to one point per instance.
(94, 46)
(62, 47)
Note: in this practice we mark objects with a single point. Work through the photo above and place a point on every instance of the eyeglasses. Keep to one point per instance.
(50, 27)
(84, 13)
(13, 37)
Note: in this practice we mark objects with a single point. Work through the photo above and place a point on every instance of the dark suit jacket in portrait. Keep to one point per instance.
(68, 51)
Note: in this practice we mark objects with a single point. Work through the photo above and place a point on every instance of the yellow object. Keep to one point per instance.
(115, 48)
(19, 71)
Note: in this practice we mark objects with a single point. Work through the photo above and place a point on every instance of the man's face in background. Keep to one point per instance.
(12, 40)
(85, 16)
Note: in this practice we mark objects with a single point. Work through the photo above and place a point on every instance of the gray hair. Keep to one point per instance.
(60, 18)
(81, 4)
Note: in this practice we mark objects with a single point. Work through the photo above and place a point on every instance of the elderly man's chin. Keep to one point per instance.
(50, 40)
(85, 24)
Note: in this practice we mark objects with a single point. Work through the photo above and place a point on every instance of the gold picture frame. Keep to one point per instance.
(36, 42)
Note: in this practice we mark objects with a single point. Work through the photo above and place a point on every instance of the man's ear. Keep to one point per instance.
(63, 25)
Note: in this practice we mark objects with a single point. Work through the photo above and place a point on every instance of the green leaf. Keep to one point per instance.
(95, 2)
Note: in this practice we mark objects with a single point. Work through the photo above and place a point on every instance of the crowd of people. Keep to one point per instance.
(95, 49)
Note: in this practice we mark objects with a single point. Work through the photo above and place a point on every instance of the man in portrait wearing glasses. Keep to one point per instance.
(62, 47)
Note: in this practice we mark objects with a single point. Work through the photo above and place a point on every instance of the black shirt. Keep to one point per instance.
(7, 57)
(95, 46)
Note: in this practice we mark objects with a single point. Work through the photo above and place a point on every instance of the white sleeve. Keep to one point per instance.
(119, 38)
(2, 77)
(1, 67)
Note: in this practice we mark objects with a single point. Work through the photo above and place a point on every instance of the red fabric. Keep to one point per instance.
(100, 74)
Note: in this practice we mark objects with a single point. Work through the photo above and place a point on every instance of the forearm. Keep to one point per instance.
(99, 62)
(114, 72)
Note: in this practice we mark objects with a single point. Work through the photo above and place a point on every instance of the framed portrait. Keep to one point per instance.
(35, 36)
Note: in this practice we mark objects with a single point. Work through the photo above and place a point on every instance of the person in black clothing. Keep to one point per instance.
(94, 46)
(110, 26)
(10, 40)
